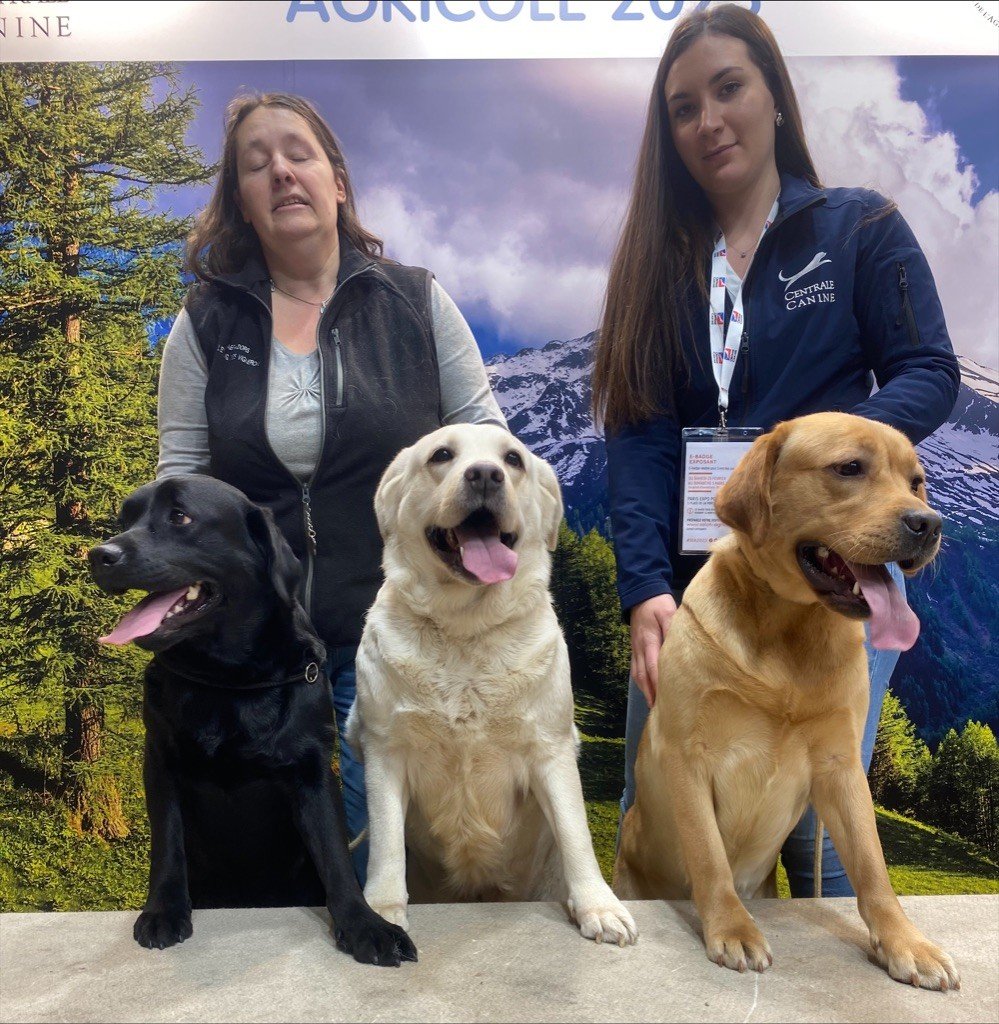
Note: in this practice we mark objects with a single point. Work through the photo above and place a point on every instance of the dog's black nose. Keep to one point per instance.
(924, 525)
(106, 555)
(484, 477)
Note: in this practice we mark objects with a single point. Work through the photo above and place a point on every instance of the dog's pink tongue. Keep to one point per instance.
(894, 625)
(143, 618)
(485, 556)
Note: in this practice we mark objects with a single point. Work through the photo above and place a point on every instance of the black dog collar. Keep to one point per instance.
(312, 673)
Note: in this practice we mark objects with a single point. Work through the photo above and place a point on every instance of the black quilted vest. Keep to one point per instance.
(381, 392)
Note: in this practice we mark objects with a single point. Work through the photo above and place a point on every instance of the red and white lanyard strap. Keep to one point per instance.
(725, 344)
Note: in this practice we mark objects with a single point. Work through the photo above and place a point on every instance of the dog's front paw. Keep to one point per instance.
(371, 940)
(601, 916)
(388, 900)
(908, 956)
(157, 929)
(737, 944)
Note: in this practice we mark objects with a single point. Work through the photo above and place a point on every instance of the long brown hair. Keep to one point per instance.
(221, 241)
(667, 233)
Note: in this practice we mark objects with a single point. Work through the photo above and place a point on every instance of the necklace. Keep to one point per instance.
(321, 306)
(743, 253)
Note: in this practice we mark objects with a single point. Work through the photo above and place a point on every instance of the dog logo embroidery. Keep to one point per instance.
(811, 294)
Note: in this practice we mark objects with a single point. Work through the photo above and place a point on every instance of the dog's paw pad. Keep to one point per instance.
(159, 929)
(919, 963)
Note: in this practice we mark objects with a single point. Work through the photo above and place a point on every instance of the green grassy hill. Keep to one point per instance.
(46, 865)
(922, 861)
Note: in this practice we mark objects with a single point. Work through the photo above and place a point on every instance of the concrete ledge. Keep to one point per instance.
(489, 962)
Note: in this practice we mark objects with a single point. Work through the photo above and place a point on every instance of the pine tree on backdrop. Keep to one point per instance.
(589, 612)
(960, 790)
(569, 598)
(86, 263)
(607, 640)
(900, 758)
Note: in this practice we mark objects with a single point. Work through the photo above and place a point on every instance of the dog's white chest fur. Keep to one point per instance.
(467, 721)
(469, 785)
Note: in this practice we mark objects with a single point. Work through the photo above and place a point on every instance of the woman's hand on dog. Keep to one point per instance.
(650, 622)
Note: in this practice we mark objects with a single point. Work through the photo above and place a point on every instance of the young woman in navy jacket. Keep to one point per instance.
(835, 295)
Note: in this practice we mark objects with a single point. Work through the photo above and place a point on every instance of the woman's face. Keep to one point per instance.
(286, 186)
(721, 115)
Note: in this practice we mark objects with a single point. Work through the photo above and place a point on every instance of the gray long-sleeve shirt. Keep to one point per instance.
(294, 403)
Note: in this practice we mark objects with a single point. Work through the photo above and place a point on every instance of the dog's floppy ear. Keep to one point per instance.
(550, 496)
(284, 571)
(744, 502)
(388, 495)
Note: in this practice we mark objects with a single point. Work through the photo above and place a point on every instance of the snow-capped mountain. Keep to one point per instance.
(962, 457)
(545, 395)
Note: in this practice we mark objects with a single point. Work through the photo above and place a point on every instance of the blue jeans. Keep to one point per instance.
(798, 850)
(343, 679)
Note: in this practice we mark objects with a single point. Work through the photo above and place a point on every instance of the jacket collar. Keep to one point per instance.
(796, 194)
(352, 260)
(254, 277)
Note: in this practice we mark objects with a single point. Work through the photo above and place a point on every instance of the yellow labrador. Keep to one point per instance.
(464, 710)
(764, 687)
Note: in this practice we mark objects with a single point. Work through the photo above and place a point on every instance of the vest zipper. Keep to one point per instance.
(310, 546)
(311, 539)
(310, 531)
(906, 313)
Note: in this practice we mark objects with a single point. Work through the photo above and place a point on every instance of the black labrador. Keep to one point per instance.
(244, 809)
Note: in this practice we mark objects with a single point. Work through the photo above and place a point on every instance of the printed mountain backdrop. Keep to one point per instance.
(101, 167)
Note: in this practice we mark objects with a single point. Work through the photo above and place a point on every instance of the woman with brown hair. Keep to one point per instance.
(743, 293)
(302, 362)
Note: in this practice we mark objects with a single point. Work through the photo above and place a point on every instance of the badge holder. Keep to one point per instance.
(710, 454)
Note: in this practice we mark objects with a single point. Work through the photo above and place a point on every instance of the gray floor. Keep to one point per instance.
(489, 962)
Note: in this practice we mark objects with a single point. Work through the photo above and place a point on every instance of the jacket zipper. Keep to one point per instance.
(906, 313)
(744, 346)
(744, 355)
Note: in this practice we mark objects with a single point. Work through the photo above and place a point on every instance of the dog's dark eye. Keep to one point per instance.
(442, 455)
(178, 517)
(853, 468)
(917, 482)
(514, 459)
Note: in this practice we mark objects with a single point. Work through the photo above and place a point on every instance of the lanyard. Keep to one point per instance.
(725, 344)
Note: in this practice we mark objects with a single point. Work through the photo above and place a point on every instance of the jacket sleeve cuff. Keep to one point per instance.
(640, 594)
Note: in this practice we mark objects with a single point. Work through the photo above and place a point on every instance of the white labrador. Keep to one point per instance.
(464, 710)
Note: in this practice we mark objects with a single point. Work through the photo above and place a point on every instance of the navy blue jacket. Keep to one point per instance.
(866, 312)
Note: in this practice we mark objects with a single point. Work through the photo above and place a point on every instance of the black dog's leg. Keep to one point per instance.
(319, 815)
(166, 918)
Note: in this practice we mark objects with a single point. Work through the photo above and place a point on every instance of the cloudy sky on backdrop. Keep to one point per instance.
(509, 178)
